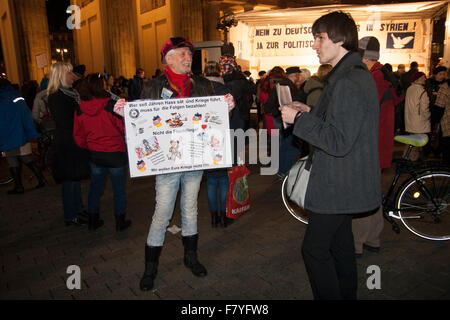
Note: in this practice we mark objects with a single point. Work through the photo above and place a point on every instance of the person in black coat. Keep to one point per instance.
(241, 90)
(135, 85)
(217, 179)
(70, 164)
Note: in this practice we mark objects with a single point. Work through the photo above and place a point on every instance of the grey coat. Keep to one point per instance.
(345, 174)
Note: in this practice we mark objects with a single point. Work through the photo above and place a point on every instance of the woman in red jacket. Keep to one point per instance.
(101, 131)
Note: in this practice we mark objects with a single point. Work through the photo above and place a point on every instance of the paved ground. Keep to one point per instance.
(258, 257)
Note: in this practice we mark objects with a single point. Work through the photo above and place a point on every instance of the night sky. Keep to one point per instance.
(56, 14)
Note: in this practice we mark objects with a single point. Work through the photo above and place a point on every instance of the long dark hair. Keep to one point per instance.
(93, 86)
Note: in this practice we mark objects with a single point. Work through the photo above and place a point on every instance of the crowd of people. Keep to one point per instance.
(346, 115)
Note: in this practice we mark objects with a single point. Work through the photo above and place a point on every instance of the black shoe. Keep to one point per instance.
(83, 215)
(121, 223)
(190, 256)
(17, 191)
(16, 173)
(214, 219)
(76, 222)
(370, 248)
(38, 173)
(222, 223)
(94, 221)
(151, 267)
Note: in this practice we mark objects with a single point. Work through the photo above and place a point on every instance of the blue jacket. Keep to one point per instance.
(16, 122)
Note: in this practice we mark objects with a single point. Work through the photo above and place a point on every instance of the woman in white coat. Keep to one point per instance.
(417, 112)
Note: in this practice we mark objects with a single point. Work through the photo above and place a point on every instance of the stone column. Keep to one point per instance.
(192, 20)
(121, 37)
(211, 14)
(33, 36)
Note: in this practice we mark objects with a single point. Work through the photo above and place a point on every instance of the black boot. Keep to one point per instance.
(121, 223)
(16, 173)
(224, 221)
(214, 219)
(41, 180)
(94, 222)
(190, 256)
(151, 267)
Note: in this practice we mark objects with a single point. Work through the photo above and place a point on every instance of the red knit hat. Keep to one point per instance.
(175, 43)
(416, 76)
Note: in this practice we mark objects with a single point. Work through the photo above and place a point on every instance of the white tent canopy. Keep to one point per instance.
(397, 11)
(264, 39)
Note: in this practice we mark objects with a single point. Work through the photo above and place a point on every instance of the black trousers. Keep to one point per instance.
(329, 254)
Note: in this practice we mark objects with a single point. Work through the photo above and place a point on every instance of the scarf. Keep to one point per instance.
(71, 92)
(180, 83)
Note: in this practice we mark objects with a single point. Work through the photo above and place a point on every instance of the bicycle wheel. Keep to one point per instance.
(423, 205)
(297, 212)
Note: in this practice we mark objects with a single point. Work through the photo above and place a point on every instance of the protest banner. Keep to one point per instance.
(175, 135)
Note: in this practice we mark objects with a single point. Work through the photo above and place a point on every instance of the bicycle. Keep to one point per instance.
(421, 203)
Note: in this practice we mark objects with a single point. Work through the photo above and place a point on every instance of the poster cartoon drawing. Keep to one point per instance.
(174, 150)
(175, 120)
(150, 146)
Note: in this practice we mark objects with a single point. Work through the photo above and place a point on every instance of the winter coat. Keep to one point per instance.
(135, 88)
(388, 100)
(242, 90)
(313, 89)
(272, 105)
(69, 162)
(343, 130)
(417, 112)
(100, 130)
(443, 101)
(16, 123)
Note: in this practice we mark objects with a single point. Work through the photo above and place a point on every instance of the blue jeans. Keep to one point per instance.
(212, 184)
(71, 197)
(288, 150)
(166, 187)
(98, 177)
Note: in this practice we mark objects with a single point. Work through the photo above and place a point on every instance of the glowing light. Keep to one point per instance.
(416, 194)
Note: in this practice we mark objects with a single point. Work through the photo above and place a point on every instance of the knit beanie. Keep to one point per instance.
(369, 48)
(416, 75)
(439, 69)
(227, 65)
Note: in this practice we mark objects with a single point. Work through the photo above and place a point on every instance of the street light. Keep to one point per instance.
(62, 51)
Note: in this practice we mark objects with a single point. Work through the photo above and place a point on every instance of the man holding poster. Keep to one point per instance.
(177, 81)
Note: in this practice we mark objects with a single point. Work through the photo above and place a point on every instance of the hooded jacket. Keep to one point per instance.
(387, 115)
(16, 122)
(101, 131)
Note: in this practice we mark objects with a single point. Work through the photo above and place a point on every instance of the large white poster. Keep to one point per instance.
(175, 135)
(286, 40)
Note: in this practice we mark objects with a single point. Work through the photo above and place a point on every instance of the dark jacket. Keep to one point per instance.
(313, 89)
(241, 89)
(272, 105)
(387, 101)
(100, 130)
(345, 174)
(135, 88)
(200, 87)
(69, 162)
(16, 123)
